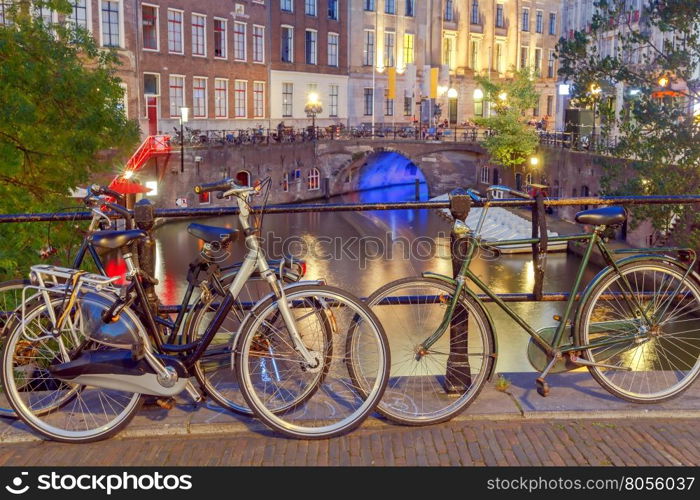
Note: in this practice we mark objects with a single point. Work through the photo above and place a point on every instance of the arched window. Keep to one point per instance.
(518, 181)
(314, 179)
(243, 178)
(528, 179)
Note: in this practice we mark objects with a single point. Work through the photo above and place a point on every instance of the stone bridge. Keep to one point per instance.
(306, 171)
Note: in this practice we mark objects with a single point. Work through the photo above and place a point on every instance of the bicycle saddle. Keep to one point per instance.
(606, 216)
(211, 234)
(115, 239)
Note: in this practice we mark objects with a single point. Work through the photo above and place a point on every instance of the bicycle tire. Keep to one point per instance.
(336, 406)
(421, 390)
(10, 300)
(660, 350)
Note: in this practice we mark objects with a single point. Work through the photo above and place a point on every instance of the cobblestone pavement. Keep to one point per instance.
(631, 442)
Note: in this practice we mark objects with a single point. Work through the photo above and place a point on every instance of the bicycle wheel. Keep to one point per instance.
(664, 357)
(272, 371)
(10, 300)
(214, 370)
(431, 387)
(57, 409)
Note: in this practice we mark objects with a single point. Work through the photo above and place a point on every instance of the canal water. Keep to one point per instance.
(361, 251)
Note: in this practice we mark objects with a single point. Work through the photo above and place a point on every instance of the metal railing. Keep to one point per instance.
(538, 206)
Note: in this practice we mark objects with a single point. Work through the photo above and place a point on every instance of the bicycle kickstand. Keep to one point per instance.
(542, 386)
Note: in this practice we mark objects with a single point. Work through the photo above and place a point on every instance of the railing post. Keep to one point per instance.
(539, 250)
(144, 216)
(458, 376)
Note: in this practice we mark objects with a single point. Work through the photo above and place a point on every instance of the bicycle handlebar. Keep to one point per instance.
(124, 212)
(506, 189)
(222, 185)
(102, 190)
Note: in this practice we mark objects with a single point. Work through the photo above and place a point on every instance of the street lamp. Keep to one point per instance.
(312, 108)
(595, 91)
(184, 118)
(534, 161)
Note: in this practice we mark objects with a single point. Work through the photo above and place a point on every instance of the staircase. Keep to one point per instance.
(153, 145)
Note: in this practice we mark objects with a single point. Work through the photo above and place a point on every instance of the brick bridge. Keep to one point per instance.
(340, 165)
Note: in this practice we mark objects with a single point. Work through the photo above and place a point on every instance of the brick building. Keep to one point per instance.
(308, 55)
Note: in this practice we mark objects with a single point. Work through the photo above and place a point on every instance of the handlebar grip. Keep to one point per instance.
(222, 185)
(103, 190)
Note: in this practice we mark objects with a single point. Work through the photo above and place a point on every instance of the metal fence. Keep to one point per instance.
(538, 205)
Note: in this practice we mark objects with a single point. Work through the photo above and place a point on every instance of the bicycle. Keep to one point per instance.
(76, 366)
(635, 326)
(213, 378)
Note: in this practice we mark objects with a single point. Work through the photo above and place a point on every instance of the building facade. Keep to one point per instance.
(309, 40)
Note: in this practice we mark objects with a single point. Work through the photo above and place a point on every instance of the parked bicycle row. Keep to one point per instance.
(80, 352)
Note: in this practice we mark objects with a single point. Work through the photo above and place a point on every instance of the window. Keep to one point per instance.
(485, 175)
(369, 4)
(550, 64)
(449, 10)
(220, 38)
(175, 31)
(177, 94)
(499, 57)
(239, 42)
(333, 100)
(285, 182)
(388, 104)
(149, 22)
(287, 99)
(333, 41)
(552, 23)
(199, 42)
(538, 62)
(526, 19)
(475, 55)
(479, 106)
(314, 179)
(369, 101)
(287, 44)
(449, 51)
(410, 8)
(151, 84)
(333, 9)
(408, 51)
(368, 49)
(474, 19)
(500, 21)
(311, 38)
(240, 99)
(536, 109)
(524, 57)
(407, 106)
(287, 5)
(259, 99)
(5, 11)
(390, 6)
(110, 24)
(46, 14)
(550, 105)
(243, 178)
(310, 7)
(221, 98)
(389, 48)
(258, 44)
(539, 22)
(199, 97)
(78, 15)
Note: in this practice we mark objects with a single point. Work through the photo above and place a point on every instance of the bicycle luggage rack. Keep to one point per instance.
(54, 281)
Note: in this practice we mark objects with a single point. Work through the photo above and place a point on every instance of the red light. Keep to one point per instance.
(302, 267)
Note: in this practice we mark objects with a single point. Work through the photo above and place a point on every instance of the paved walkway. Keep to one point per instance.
(631, 442)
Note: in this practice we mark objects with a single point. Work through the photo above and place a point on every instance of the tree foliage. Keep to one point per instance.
(512, 141)
(60, 111)
(656, 62)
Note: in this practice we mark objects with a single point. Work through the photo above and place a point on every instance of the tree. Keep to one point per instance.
(60, 105)
(655, 69)
(512, 141)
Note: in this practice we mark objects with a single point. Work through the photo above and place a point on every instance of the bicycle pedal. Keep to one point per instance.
(542, 387)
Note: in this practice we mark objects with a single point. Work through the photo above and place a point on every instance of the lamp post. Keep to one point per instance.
(184, 118)
(595, 92)
(312, 108)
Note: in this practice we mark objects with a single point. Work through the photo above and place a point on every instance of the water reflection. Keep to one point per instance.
(361, 251)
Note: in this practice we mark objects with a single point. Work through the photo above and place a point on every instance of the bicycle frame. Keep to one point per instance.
(558, 345)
